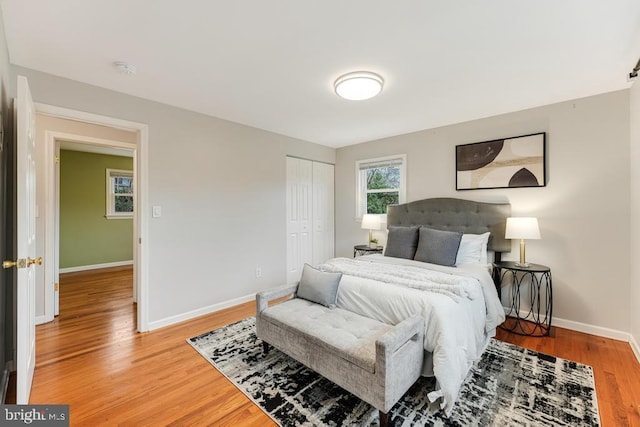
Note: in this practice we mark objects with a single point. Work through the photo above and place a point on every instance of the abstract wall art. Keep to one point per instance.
(502, 163)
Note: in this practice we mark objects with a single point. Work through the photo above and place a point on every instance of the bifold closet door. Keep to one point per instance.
(310, 215)
(323, 239)
(299, 216)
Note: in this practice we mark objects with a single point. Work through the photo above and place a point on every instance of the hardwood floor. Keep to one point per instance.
(91, 358)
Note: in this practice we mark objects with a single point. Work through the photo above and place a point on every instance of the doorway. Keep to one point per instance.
(94, 210)
(138, 149)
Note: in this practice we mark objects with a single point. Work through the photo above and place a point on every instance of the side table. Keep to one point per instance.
(366, 250)
(540, 298)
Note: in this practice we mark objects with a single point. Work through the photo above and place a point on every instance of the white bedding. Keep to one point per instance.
(458, 324)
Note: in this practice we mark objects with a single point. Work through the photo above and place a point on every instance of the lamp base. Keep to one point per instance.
(522, 262)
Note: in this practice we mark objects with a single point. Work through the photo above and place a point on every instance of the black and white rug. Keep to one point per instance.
(509, 386)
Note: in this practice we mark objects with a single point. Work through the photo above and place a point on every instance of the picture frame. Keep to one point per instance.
(514, 162)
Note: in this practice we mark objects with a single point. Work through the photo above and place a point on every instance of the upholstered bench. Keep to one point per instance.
(372, 360)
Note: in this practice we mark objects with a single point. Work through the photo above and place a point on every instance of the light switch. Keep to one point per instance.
(156, 211)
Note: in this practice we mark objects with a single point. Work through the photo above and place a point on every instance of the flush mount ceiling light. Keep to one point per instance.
(125, 67)
(358, 85)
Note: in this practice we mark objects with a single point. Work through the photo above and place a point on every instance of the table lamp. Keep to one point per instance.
(522, 228)
(371, 222)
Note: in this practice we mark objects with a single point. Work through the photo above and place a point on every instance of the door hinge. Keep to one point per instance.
(57, 159)
(56, 287)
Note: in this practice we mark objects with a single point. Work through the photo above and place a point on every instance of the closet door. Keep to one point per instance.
(323, 212)
(299, 216)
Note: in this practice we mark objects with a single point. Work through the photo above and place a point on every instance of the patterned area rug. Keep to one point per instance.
(509, 386)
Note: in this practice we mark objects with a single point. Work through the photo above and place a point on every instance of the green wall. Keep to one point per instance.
(86, 236)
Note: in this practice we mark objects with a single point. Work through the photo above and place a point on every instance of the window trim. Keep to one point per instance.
(361, 195)
(111, 197)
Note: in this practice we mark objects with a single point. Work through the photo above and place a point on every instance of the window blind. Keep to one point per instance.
(381, 164)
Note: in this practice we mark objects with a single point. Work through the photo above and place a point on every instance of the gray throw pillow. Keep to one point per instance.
(318, 286)
(402, 242)
(438, 247)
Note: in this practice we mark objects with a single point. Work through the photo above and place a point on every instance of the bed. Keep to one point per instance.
(459, 303)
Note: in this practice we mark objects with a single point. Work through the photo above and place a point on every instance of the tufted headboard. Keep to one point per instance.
(456, 215)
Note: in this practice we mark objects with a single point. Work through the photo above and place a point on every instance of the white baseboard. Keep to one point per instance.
(41, 319)
(582, 327)
(200, 312)
(635, 347)
(592, 330)
(95, 266)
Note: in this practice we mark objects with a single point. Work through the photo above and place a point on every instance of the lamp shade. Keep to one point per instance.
(371, 222)
(522, 228)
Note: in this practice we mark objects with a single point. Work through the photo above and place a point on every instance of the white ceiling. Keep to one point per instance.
(271, 64)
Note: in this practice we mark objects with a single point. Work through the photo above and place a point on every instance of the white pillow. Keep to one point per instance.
(473, 249)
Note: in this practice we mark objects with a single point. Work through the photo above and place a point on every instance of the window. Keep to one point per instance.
(380, 182)
(119, 194)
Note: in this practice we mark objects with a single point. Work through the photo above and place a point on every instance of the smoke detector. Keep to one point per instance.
(125, 67)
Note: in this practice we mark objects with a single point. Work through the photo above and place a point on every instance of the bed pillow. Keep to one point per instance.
(402, 242)
(438, 246)
(319, 286)
(473, 249)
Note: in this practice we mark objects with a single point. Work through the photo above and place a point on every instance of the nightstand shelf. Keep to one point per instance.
(536, 319)
(366, 250)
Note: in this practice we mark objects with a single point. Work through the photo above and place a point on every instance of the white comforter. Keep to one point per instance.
(460, 306)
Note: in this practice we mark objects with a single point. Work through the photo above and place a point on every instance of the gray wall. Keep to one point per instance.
(6, 75)
(634, 301)
(584, 210)
(221, 186)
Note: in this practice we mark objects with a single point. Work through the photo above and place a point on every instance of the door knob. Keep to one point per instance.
(22, 262)
(36, 261)
(9, 264)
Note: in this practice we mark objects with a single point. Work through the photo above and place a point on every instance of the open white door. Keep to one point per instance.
(26, 241)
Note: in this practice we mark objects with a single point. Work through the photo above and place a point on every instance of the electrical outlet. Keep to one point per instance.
(258, 272)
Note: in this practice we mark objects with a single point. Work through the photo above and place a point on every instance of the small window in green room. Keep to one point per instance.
(380, 182)
(119, 194)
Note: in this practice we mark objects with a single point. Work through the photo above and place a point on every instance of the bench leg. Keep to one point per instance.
(265, 347)
(384, 419)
